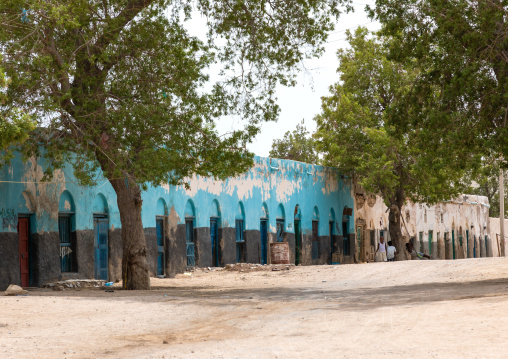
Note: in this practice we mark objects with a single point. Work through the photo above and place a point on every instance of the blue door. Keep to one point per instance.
(264, 241)
(101, 248)
(214, 236)
(189, 240)
(159, 224)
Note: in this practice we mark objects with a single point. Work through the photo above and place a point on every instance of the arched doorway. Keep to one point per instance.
(280, 223)
(346, 246)
(101, 240)
(333, 242)
(190, 242)
(161, 212)
(239, 237)
(298, 235)
(263, 228)
(315, 234)
(214, 232)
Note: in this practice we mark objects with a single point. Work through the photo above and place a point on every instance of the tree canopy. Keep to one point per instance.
(122, 86)
(358, 131)
(297, 145)
(462, 48)
(486, 183)
(15, 126)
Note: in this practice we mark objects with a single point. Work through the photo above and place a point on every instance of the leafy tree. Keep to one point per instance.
(122, 86)
(486, 183)
(357, 135)
(15, 126)
(296, 146)
(463, 48)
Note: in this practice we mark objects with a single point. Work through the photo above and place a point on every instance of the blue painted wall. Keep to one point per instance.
(269, 183)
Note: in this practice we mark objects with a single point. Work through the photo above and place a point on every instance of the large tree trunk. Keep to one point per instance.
(135, 274)
(395, 225)
(396, 232)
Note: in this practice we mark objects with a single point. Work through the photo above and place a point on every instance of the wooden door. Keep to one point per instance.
(24, 264)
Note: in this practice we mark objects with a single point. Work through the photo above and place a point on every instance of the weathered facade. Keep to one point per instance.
(495, 234)
(448, 230)
(60, 230)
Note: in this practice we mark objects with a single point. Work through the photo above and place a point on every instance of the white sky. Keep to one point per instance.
(304, 100)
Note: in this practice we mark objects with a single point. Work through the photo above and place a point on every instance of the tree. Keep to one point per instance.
(296, 146)
(122, 86)
(461, 47)
(356, 132)
(486, 183)
(15, 126)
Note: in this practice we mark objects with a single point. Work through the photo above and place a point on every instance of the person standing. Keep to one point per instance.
(390, 252)
(381, 250)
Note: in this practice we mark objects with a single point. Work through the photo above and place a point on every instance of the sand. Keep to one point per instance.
(412, 309)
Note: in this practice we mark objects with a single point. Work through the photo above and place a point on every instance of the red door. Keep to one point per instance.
(23, 250)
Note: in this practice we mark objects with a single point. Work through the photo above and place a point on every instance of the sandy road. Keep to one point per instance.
(416, 309)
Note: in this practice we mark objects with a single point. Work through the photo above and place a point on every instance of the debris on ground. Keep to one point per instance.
(250, 267)
(75, 284)
(14, 289)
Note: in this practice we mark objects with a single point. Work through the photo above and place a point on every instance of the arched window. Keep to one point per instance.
(66, 232)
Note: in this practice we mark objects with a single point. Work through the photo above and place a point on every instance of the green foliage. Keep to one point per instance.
(15, 126)
(358, 132)
(486, 183)
(296, 146)
(461, 48)
(121, 85)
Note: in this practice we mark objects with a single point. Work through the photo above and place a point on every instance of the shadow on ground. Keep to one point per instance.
(355, 299)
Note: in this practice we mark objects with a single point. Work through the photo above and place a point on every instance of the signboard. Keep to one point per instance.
(279, 253)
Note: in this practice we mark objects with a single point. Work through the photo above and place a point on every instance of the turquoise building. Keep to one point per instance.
(60, 230)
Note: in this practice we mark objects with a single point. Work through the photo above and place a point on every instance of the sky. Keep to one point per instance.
(304, 100)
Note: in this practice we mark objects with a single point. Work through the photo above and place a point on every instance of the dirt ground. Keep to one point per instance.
(413, 309)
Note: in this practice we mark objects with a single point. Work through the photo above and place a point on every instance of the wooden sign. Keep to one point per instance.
(279, 253)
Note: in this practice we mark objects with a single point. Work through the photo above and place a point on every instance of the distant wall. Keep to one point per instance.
(464, 220)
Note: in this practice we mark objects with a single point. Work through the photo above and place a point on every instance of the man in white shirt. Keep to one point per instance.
(390, 252)
(381, 250)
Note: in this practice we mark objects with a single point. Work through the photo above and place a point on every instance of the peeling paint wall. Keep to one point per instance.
(495, 232)
(270, 181)
(271, 188)
(466, 216)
